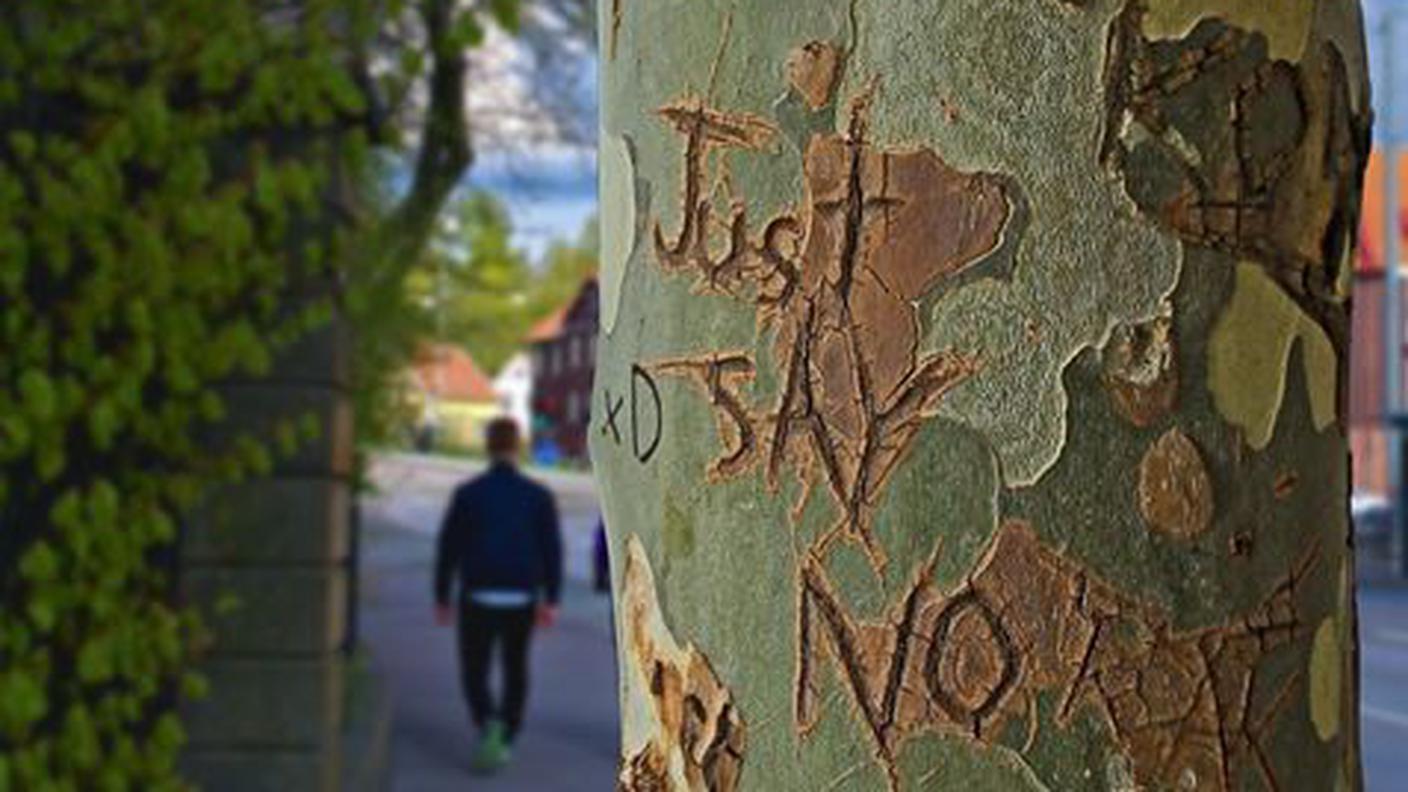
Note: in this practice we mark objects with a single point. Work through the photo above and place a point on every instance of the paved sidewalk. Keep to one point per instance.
(1383, 708)
(569, 737)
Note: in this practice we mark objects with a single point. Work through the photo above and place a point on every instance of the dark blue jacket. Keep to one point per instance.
(500, 532)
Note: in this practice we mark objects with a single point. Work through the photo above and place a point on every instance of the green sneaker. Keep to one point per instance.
(493, 752)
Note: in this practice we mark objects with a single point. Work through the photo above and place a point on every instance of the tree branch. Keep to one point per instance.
(445, 149)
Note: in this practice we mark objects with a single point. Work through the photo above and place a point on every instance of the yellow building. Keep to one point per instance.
(452, 397)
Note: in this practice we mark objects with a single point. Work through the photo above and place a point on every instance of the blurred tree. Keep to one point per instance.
(533, 87)
(473, 283)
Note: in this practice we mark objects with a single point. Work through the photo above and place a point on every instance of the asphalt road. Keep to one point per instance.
(569, 740)
(1383, 709)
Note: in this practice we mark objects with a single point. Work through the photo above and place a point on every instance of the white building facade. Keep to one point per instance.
(514, 387)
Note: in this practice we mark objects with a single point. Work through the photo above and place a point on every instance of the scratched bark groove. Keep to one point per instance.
(990, 359)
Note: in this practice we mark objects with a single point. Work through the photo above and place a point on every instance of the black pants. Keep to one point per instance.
(482, 629)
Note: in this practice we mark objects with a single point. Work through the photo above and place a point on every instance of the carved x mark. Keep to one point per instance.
(612, 411)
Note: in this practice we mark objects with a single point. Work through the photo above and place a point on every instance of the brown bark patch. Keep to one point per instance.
(618, 15)
(696, 726)
(1141, 370)
(1179, 705)
(813, 69)
(645, 772)
(1175, 492)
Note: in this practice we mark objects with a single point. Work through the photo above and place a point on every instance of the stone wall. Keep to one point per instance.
(268, 562)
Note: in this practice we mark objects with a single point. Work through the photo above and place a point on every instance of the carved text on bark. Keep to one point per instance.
(1027, 620)
(839, 283)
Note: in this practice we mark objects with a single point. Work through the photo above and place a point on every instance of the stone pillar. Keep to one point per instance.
(267, 561)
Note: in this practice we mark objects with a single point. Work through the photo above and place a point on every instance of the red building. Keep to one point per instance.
(564, 357)
(1366, 385)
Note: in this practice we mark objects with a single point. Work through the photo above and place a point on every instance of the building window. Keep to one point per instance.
(574, 352)
(556, 360)
(572, 407)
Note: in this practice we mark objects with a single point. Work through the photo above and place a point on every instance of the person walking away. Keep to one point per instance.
(501, 544)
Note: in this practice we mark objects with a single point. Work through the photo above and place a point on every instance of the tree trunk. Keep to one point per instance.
(971, 398)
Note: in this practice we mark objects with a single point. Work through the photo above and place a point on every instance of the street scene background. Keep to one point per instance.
(569, 741)
(546, 199)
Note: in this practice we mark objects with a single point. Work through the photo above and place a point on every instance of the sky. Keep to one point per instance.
(550, 193)
(1385, 23)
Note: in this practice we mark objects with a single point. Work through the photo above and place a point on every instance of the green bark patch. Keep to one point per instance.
(1326, 663)
(1249, 350)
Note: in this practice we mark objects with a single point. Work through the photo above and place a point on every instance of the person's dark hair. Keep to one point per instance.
(501, 438)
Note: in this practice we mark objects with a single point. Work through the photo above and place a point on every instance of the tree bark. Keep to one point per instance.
(970, 408)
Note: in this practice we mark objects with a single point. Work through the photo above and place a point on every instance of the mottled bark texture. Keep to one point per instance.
(970, 405)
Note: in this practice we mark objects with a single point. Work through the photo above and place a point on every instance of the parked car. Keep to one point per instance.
(1373, 524)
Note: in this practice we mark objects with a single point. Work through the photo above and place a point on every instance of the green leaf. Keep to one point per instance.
(505, 12)
(466, 33)
(95, 660)
(168, 735)
(22, 144)
(22, 701)
(102, 423)
(80, 738)
(40, 563)
(49, 459)
(103, 502)
(37, 393)
(15, 433)
(67, 512)
(194, 685)
(227, 603)
(41, 611)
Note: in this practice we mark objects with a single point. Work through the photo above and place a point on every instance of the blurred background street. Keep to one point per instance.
(569, 738)
(1383, 711)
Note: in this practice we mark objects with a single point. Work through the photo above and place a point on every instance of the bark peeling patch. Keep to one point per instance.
(1235, 144)
(840, 282)
(1249, 350)
(1286, 26)
(618, 15)
(1141, 368)
(813, 69)
(1175, 492)
(618, 221)
(1178, 704)
(682, 730)
(1326, 659)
